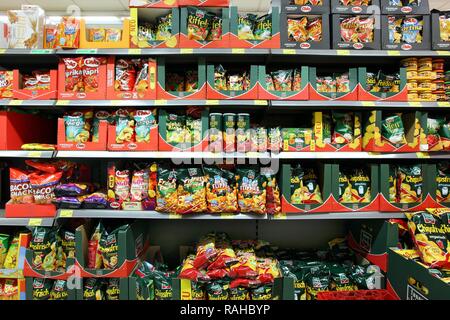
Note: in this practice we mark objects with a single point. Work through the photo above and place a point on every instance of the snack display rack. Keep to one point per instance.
(122, 155)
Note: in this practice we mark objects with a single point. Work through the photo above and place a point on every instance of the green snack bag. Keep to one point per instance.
(93, 289)
(42, 288)
(343, 127)
(282, 80)
(246, 24)
(198, 291)
(263, 28)
(215, 33)
(109, 247)
(262, 293)
(164, 28)
(163, 284)
(392, 130)
(194, 128)
(340, 281)
(315, 283)
(4, 246)
(113, 289)
(220, 79)
(175, 128)
(371, 82)
(59, 290)
(67, 239)
(297, 174)
(44, 246)
(218, 290)
(443, 182)
(238, 293)
(326, 128)
(166, 191)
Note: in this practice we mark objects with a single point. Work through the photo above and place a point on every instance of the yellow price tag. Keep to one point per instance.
(2, 51)
(227, 215)
(260, 102)
(280, 216)
(343, 52)
(186, 51)
(422, 155)
(35, 154)
(62, 102)
(185, 289)
(134, 51)
(212, 102)
(443, 104)
(368, 103)
(160, 102)
(34, 222)
(116, 102)
(15, 102)
(393, 53)
(289, 51)
(415, 104)
(66, 213)
(175, 216)
(443, 53)
(374, 154)
(237, 51)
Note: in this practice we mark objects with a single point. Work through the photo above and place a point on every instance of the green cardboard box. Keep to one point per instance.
(364, 95)
(439, 197)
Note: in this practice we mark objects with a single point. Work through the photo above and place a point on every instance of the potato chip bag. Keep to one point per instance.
(144, 121)
(221, 193)
(310, 187)
(345, 188)
(198, 23)
(75, 128)
(188, 271)
(124, 126)
(443, 182)
(6, 84)
(59, 290)
(412, 30)
(273, 201)
(166, 191)
(444, 26)
(122, 185)
(282, 80)
(193, 130)
(296, 183)
(164, 28)
(296, 29)
(113, 34)
(430, 237)
(410, 184)
(314, 29)
(42, 288)
(220, 79)
(93, 289)
(43, 186)
(99, 116)
(91, 71)
(109, 247)
(191, 81)
(20, 187)
(393, 194)
(44, 246)
(343, 127)
(191, 191)
(246, 25)
(395, 29)
(97, 35)
(67, 241)
(94, 255)
(73, 74)
(392, 129)
(263, 28)
(360, 186)
(215, 33)
(349, 29)
(251, 191)
(4, 246)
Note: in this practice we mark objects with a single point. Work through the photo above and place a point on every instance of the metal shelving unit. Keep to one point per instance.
(340, 216)
(44, 222)
(27, 154)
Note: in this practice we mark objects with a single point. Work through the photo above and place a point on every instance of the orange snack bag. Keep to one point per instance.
(69, 32)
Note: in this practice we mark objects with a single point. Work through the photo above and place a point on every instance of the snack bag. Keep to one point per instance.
(296, 185)
(4, 246)
(146, 33)
(112, 289)
(75, 128)
(193, 130)
(343, 127)
(69, 33)
(349, 29)
(297, 29)
(175, 129)
(246, 24)
(251, 191)
(20, 188)
(345, 188)
(310, 187)
(25, 27)
(174, 82)
(44, 246)
(42, 288)
(198, 24)
(393, 194)
(433, 127)
(91, 67)
(221, 193)
(365, 29)
(444, 27)
(6, 84)
(125, 77)
(12, 256)
(73, 74)
(429, 234)
(93, 289)
(164, 28)
(412, 30)
(59, 290)
(215, 33)
(138, 184)
(392, 130)
(144, 120)
(263, 28)
(99, 116)
(314, 29)
(188, 271)
(218, 290)
(109, 247)
(42, 186)
(113, 34)
(51, 36)
(166, 192)
(282, 80)
(67, 239)
(191, 191)
(410, 184)
(443, 182)
(360, 186)
(124, 127)
(220, 80)
(342, 82)
(94, 255)
(191, 81)
(395, 29)
(273, 200)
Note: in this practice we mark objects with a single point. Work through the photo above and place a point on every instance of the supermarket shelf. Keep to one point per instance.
(164, 52)
(146, 103)
(44, 222)
(122, 214)
(340, 216)
(160, 155)
(359, 155)
(295, 105)
(26, 154)
(27, 103)
(362, 53)
(27, 51)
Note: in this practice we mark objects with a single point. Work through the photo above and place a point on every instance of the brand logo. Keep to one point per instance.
(71, 64)
(91, 62)
(406, 46)
(132, 146)
(358, 46)
(406, 9)
(305, 45)
(306, 9)
(81, 146)
(81, 95)
(115, 205)
(356, 9)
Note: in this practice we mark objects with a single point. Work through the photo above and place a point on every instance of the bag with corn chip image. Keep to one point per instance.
(392, 130)
(410, 184)
(359, 181)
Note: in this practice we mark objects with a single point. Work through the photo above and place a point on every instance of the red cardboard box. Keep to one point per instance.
(88, 146)
(29, 210)
(204, 3)
(26, 94)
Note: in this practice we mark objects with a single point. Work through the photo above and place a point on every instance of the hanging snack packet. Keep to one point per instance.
(43, 185)
(44, 246)
(220, 79)
(343, 127)
(429, 234)
(297, 29)
(109, 247)
(198, 24)
(282, 80)
(164, 28)
(392, 130)
(443, 182)
(221, 193)
(166, 192)
(191, 191)
(216, 29)
(246, 25)
(73, 74)
(144, 121)
(19, 185)
(360, 186)
(395, 29)
(69, 33)
(263, 28)
(410, 184)
(94, 255)
(251, 191)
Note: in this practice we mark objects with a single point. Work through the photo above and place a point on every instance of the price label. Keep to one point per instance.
(34, 222)
(443, 53)
(422, 155)
(280, 216)
(393, 53)
(368, 103)
(35, 154)
(415, 104)
(443, 104)
(227, 215)
(374, 154)
(66, 213)
(86, 51)
(41, 51)
(116, 102)
(260, 103)
(2, 51)
(160, 102)
(237, 51)
(343, 52)
(62, 102)
(175, 216)
(134, 51)
(212, 102)
(187, 51)
(289, 51)
(15, 102)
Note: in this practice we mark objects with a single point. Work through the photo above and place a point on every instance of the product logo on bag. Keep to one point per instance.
(414, 294)
(406, 9)
(81, 145)
(356, 9)
(81, 95)
(127, 95)
(358, 46)
(91, 62)
(115, 205)
(305, 45)
(406, 46)
(306, 9)
(132, 146)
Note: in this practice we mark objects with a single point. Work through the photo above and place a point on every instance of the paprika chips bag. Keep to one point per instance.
(221, 193)
(73, 74)
(430, 236)
(191, 191)
(94, 254)
(392, 130)
(188, 271)
(410, 184)
(273, 201)
(20, 187)
(443, 182)
(251, 191)
(198, 24)
(91, 71)
(166, 192)
(44, 246)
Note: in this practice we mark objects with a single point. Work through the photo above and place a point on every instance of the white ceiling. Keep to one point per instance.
(122, 5)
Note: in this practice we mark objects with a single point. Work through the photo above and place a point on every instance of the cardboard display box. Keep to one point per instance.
(272, 43)
(386, 8)
(251, 94)
(372, 8)
(94, 62)
(224, 41)
(145, 14)
(339, 43)
(289, 6)
(319, 127)
(410, 280)
(324, 172)
(287, 43)
(438, 43)
(365, 95)
(36, 94)
(413, 123)
(100, 145)
(204, 3)
(373, 205)
(24, 241)
(29, 210)
(123, 43)
(372, 240)
(30, 271)
(164, 94)
(114, 94)
(153, 3)
(165, 145)
(352, 95)
(426, 34)
(265, 94)
(131, 245)
(439, 195)
(112, 144)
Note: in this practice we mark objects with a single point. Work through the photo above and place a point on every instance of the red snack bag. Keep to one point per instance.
(91, 67)
(125, 75)
(74, 74)
(365, 30)
(43, 186)
(225, 258)
(6, 84)
(245, 268)
(29, 82)
(46, 167)
(19, 185)
(43, 79)
(122, 185)
(349, 28)
(190, 272)
(217, 273)
(245, 283)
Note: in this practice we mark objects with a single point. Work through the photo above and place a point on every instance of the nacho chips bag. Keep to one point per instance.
(221, 192)
(251, 191)
(166, 192)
